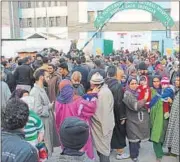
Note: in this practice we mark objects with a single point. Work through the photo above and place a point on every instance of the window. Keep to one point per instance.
(39, 22)
(49, 3)
(99, 12)
(44, 21)
(63, 3)
(51, 21)
(29, 22)
(99, 35)
(21, 22)
(90, 16)
(20, 4)
(28, 4)
(43, 4)
(58, 21)
(39, 4)
(55, 3)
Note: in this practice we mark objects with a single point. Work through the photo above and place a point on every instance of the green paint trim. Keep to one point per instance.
(151, 7)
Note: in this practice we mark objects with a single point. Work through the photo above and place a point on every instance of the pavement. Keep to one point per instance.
(146, 155)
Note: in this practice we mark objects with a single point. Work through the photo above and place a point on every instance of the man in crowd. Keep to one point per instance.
(54, 79)
(14, 146)
(118, 141)
(103, 120)
(23, 75)
(64, 71)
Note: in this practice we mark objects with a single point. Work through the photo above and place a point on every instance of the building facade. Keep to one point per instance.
(75, 20)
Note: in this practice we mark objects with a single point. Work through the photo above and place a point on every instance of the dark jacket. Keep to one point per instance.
(119, 133)
(93, 71)
(16, 149)
(84, 72)
(10, 79)
(24, 75)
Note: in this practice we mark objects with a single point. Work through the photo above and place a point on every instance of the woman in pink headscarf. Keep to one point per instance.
(68, 104)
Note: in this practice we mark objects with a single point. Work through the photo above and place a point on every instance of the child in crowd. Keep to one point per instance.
(167, 96)
(74, 134)
(143, 88)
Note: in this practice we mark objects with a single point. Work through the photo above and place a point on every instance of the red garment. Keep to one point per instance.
(142, 91)
(166, 107)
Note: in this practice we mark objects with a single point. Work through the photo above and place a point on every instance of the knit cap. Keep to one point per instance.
(74, 133)
(165, 80)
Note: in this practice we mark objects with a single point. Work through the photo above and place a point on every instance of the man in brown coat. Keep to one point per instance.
(54, 79)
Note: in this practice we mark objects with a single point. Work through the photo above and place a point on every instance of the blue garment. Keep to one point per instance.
(155, 99)
(167, 92)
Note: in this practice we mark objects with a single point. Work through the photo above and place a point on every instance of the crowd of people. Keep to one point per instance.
(89, 105)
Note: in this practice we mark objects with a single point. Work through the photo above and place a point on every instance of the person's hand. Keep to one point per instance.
(51, 105)
(169, 100)
(122, 122)
(40, 137)
(95, 90)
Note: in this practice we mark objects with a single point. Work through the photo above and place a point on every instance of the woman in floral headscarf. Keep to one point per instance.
(68, 104)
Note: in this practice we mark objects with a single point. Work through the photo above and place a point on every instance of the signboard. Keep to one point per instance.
(155, 9)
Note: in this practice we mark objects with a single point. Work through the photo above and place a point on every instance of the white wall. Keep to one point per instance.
(33, 44)
(83, 35)
(83, 18)
(6, 32)
(41, 12)
(175, 11)
(62, 32)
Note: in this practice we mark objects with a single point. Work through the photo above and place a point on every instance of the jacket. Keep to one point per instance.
(16, 149)
(23, 75)
(79, 108)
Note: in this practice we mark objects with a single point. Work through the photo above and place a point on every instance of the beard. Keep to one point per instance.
(45, 83)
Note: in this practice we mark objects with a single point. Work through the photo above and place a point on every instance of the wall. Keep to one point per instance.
(62, 32)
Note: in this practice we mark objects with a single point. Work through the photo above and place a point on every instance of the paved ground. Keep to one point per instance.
(146, 155)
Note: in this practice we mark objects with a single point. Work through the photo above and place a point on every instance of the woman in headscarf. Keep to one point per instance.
(137, 123)
(158, 121)
(172, 134)
(68, 104)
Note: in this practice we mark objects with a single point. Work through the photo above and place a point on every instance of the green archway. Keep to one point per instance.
(155, 9)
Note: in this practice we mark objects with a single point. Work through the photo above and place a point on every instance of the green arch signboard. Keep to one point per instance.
(155, 9)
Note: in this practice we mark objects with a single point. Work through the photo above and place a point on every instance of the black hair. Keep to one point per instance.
(15, 115)
(26, 59)
(78, 60)
(4, 63)
(64, 66)
(45, 60)
(9, 60)
(111, 71)
(130, 59)
(61, 60)
(54, 67)
(16, 59)
(39, 55)
(39, 73)
(97, 62)
(20, 62)
(83, 59)
(130, 79)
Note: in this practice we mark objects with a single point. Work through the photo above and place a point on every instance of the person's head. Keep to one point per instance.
(78, 60)
(39, 57)
(165, 82)
(15, 115)
(83, 59)
(120, 74)
(97, 63)
(20, 62)
(5, 64)
(142, 68)
(96, 80)
(63, 69)
(129, 60)
(112, 71)
(41, 76)
(51, 68)
(156, 81)
(132, 83)
(62, 60)
(16, 59)
(177, 81)
(143, 80)
(45, 60)
(76, 77)
(133, 73)
(26, 60)
(74, 133)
